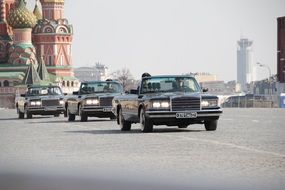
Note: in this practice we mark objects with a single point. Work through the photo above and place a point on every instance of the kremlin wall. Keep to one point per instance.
(35, 48)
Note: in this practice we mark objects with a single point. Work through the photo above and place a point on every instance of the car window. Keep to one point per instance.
(42, 91)
(169, 84)
(100, 87)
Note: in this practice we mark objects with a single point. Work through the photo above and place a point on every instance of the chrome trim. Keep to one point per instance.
(172, 114)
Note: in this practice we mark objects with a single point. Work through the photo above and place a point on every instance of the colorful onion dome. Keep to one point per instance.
(21, 17)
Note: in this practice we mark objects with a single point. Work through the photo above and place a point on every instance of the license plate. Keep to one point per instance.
(186, 115)
(107, 109)
(50, 108)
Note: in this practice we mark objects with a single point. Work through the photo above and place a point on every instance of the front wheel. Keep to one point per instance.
(21, 115)
(83, 115)
(146, 124)
(113, 118)
(71, 117)
(211, 125)
(28, 114)
(124, 125)
(182, 126)
(65, 113)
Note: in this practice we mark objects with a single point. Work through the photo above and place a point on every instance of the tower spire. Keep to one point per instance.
(37, 11)
(52, 9)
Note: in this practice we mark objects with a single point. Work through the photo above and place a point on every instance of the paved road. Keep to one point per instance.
(248, 148)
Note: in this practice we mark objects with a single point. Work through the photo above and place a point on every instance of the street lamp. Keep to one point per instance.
(266, 66)
(269, 81)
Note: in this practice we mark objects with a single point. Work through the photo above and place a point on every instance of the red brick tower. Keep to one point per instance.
(52, 37)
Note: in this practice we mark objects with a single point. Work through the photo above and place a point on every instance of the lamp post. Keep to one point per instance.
(266, 66)
(269, 80)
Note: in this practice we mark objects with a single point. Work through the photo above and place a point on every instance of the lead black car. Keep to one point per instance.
(94, 99)
(40, 100)
(167, 100)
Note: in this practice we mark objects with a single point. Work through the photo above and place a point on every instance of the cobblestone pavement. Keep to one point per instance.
(248, 148)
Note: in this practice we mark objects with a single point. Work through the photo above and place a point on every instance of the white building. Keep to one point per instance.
(244, 63)
(97, 73)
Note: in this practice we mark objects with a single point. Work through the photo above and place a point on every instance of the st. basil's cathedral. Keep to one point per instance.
(35, 47)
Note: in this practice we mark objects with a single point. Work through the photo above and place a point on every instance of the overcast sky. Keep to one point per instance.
(173, 36)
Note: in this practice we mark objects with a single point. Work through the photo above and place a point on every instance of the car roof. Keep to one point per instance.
(84, 82)
(170, 76)
(42, 86)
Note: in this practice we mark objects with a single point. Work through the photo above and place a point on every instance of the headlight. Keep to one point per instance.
(36, 103)
(61, 102)
(209, 103)
(160, 104)
(92, 101)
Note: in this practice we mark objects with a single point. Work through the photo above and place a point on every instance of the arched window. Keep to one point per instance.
(6, 83)
(63, 83)
(67, 84)
(0, 84)
(72, 83)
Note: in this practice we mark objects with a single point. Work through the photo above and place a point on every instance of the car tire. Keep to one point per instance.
(124, 125)
(211, 125)
(65, 113)
(28, 114)
(21, 115)
(71, 117)
(146, 124)
(83, 116)
(113, 118)
(182, 126)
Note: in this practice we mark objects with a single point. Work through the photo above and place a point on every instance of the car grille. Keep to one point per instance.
(185, 103)
(106, 101)
(50, 102)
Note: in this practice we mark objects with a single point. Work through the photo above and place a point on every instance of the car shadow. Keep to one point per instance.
(76, 121)
(133, 131)
(12, 119)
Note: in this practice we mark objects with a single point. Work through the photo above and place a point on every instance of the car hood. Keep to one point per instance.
(46, 97)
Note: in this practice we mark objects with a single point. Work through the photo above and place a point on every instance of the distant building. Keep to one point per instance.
(220, 87)
(205, 77)
(244, 63)
(99, 73)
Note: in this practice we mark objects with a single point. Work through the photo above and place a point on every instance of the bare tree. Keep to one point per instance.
(125, 77)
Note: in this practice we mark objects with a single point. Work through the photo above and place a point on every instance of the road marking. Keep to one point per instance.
(234, 146)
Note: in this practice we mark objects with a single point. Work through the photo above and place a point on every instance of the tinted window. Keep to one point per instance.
(100, 87)
(169, 84)
(42, 91)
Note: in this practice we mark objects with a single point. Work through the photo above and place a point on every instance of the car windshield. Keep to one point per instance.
(100, 87)
(43, 91)
(169, 84)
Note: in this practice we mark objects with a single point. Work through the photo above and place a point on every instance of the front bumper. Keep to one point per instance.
(99, 111)
(172, 114)
(170, 118)
(47, 110)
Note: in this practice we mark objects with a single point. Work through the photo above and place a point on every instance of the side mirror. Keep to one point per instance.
(75, 93)
(64, 94)
(23, 95)
(205, 89)
(133, 91)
